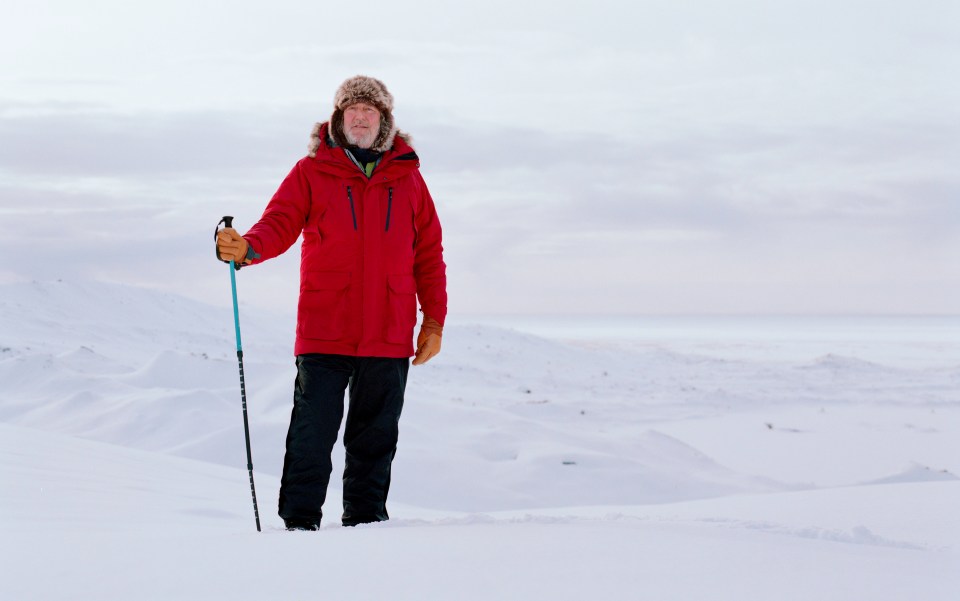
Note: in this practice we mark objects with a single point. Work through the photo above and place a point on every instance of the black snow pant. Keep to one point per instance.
(376, 398)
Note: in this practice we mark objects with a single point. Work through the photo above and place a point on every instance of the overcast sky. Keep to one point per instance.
(587, 157)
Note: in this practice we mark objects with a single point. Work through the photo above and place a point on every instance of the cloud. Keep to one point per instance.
(584, 159)
(562, 220)
(110, 144)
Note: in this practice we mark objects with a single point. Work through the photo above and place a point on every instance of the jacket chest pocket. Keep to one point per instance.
(389, 208)
(353, 206)
(396, 211)
(339, 208)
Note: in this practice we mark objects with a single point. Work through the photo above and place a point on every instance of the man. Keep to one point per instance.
(371, 248)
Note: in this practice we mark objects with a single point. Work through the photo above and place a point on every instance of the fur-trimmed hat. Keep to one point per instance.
(361, 88)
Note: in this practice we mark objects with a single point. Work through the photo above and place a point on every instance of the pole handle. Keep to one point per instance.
(227, 221)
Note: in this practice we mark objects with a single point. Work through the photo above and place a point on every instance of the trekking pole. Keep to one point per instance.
(227, 221)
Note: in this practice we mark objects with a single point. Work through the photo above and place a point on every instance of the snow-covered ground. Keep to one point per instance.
(529, 468)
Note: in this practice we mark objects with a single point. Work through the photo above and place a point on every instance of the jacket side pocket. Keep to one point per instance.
(401, 308)
(322, 310)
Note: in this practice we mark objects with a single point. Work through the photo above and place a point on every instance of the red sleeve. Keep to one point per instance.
(429, 270)
(284, 218)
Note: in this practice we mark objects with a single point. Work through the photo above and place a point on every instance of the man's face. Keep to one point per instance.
(361, 124)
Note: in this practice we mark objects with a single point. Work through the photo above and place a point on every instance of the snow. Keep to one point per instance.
(529, 467)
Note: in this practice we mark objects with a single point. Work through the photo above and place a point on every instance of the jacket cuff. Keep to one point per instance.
(431, 325)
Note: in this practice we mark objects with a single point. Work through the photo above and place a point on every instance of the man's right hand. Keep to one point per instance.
(232, 246)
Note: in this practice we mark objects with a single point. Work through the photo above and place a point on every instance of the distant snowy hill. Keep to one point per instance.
(121, 433)
(502, 420)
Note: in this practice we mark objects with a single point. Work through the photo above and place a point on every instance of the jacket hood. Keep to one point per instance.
(322, 132)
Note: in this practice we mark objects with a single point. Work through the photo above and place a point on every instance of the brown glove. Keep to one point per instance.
(428, 341)
(231, 246)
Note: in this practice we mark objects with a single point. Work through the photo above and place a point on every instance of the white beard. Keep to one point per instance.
(363, 140)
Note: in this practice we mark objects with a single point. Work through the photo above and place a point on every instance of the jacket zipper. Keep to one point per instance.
(389, 206)
(353, 211)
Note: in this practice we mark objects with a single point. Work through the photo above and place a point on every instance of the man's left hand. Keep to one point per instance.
(428, 341)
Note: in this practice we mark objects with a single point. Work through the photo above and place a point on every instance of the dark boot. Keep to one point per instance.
(301, 525)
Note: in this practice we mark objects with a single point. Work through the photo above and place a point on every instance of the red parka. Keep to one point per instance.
(371, 248)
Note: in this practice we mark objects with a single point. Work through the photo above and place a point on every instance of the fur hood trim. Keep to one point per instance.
(315, 141)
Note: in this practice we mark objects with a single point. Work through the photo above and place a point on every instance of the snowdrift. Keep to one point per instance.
(528, 468)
